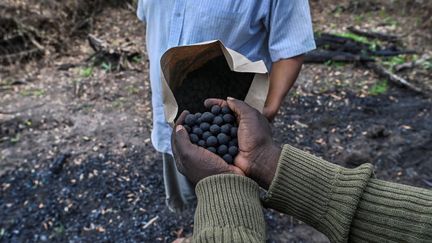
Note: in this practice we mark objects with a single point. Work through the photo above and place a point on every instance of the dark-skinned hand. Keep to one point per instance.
(258, 154)
(194, 162)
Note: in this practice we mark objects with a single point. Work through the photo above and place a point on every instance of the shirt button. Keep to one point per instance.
(178, 14)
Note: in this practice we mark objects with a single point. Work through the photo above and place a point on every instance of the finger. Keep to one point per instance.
(182, 143)
(208, 103)
(181, 118)
(239, 107)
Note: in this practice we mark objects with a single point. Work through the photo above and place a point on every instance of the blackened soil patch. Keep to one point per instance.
(392, 131)
(102, 199)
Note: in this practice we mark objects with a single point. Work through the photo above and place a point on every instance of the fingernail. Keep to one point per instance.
(179, 127)
(230, 98)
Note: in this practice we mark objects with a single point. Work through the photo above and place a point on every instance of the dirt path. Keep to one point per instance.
(109, 185)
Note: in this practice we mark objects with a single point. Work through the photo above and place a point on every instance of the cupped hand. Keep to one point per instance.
(194, 162)
(258, 154)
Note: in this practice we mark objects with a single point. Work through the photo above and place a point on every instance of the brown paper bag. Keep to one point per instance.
(178, 62)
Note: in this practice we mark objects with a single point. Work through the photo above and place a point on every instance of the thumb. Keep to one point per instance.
(180, 139)
(239, 107)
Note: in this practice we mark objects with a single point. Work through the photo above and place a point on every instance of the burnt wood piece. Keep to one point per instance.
(322, 56)
(374, 35)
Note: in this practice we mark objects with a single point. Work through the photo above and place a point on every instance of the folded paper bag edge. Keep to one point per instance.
(237, 62)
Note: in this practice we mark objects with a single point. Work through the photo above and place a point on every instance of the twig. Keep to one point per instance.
(413, 64)
(385, 73)
(150, 222)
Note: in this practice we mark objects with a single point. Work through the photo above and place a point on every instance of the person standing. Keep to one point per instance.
(278, 32)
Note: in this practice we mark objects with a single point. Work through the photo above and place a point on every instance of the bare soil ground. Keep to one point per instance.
(77, 163)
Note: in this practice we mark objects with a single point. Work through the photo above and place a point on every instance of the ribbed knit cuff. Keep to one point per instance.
(319, 193)
(228, 206)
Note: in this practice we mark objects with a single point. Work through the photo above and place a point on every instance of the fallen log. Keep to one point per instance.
(374, 35)
(385, 73)
(322, 56)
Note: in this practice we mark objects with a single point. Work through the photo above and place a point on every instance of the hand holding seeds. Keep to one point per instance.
(231, 137)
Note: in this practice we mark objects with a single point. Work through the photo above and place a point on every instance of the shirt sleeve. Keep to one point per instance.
(140, 11)
(290, 30)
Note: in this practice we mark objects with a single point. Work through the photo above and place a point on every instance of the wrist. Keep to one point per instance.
(264, 168)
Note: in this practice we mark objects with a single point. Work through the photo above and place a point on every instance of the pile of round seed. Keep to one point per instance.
(214, 130)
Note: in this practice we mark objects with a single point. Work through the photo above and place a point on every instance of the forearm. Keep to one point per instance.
(283, 75)
(343, 203)
(228, 210)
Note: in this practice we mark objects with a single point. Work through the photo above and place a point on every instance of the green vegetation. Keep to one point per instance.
(132, 90)
(33, 92)
(137, 59)
(372, 43)
(15, 139)
(336, 64)
(380, 87)
(86, 72)
(391, 62)
(107, 67)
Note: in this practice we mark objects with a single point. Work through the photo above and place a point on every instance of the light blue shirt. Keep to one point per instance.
(268, 30)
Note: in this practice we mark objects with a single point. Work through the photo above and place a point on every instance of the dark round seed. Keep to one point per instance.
(190, 120)
(215, 110)
(207, 117)
(194, 138)
(197, 115)
(226, 129)
(234, 131)
(206, 135)
(215, 129)
(223, 138)
(233, 151)
(212, 149)
(188, 129)
(228, 158)
(205, 126)
(197, 131)
(201, 143)
(218, 120)
(212, 141)
(233, 142)
(225, 110)
(228, 118)
(222, 150)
